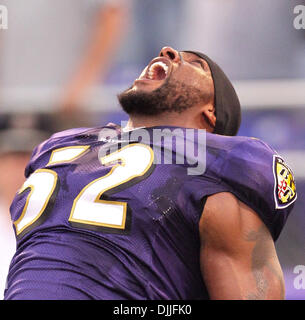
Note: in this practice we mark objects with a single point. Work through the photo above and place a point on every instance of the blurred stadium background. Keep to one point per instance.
(62, 63)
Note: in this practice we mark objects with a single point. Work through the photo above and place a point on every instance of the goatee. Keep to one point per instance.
(172, 96)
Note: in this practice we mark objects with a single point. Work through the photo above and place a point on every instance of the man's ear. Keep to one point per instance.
(209, 115)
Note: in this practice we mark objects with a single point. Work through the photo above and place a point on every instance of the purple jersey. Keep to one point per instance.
(99, 218)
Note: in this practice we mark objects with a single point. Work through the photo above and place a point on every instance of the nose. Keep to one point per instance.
(170, 53)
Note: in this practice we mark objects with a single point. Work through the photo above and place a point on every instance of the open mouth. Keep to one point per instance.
(157, 70)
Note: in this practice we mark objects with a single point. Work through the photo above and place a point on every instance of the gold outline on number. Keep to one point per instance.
(97, 199)
(23, 188)
(85, 148)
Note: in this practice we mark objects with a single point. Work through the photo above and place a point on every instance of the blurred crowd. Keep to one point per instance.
(55, 53)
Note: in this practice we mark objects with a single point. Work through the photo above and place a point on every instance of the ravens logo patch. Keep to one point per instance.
(284, 186)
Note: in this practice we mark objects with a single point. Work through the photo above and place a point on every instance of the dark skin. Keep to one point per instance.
(187, 68)
(238, 257)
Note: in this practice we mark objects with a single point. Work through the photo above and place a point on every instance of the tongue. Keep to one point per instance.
(159, 73)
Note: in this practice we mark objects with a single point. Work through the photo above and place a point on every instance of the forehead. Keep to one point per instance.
(189, 56)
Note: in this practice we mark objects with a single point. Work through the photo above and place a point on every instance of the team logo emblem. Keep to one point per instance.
(284, 189)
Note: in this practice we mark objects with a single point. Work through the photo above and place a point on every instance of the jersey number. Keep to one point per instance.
(88, 209)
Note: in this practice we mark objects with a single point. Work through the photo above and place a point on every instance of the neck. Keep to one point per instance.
(168, 119)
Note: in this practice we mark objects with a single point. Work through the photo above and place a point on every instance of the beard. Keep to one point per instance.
(172, 96)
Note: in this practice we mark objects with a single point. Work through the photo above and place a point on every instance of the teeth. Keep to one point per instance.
(150, 73)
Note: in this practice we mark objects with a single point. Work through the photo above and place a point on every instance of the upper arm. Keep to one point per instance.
(237, 255)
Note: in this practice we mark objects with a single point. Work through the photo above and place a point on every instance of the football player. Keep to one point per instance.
(171, 206)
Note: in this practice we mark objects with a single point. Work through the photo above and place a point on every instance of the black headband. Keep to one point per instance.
(226, 102)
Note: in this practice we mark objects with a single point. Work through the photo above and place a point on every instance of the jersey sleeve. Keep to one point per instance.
(260, 178)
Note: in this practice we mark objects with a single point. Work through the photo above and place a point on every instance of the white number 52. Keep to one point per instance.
(88, 210)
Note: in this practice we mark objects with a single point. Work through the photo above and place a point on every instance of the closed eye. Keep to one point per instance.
(199, 62)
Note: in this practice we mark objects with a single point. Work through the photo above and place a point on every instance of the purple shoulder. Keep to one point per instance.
(69, 132)
(41, 153)
(255, 173)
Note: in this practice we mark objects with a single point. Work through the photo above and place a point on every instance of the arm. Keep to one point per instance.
(237, 255)
(98, 55)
